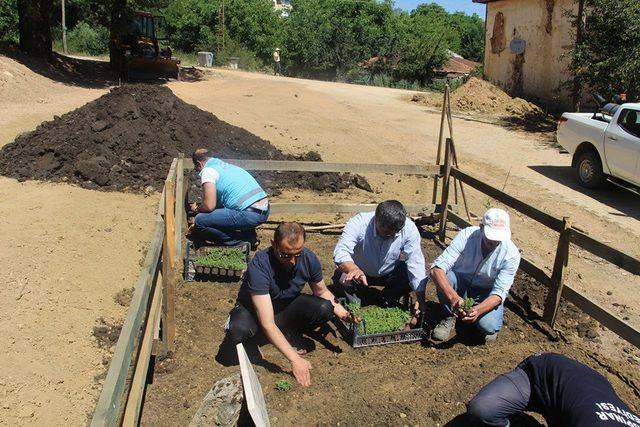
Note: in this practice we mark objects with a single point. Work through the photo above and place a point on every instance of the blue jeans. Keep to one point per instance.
(490, 322)
(228, 227)
(507, 395)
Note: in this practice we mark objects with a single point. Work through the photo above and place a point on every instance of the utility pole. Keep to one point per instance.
(220, 28)
(64, 30)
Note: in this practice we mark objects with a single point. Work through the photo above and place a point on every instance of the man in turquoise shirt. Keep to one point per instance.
(233, 203)
(480, 263)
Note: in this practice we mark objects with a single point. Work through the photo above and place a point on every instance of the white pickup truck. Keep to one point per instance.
(604, 145)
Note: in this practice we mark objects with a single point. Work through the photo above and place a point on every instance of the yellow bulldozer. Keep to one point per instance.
(138, 49)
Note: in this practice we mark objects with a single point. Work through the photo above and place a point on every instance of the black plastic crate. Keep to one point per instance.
(210, 274)
(350, 333)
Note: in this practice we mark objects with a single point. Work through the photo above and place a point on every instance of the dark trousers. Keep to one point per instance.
(304, 313)
(395, 285)
(503, 397)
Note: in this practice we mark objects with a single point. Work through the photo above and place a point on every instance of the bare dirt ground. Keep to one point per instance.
(402, 384)
(66, 251)
(65, 254)
(349, 123)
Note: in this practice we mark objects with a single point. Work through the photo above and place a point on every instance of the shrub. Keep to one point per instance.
(87, 39)
(247, 60)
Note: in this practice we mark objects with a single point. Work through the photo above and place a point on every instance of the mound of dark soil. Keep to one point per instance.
(126, 139)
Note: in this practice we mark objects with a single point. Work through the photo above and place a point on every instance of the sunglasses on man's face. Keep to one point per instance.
(284, 255)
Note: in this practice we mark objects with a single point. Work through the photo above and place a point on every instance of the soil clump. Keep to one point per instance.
(480, 96)
(126, 140)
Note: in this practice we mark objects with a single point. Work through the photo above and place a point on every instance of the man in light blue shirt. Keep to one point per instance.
(381, 249)
(480, 263)
(233, 203)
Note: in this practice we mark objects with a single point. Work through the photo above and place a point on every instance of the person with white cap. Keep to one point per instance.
(277, 68)
(480, 263)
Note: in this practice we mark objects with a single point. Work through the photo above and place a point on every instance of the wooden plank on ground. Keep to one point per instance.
(139, 382)
(534, 213)
(301, 166)
(614, 256)
(252, 390)
(602, 315)
(310, 208)
(108, 410)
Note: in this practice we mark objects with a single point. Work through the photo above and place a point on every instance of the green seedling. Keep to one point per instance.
(284, 385)
(231, 259)
(377, 320)
(468, 304)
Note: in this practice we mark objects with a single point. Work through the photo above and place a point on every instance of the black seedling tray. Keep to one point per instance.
(209, 274)
(350, 333)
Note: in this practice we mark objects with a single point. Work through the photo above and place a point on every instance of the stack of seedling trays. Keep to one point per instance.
(378, 326)
(215, 263)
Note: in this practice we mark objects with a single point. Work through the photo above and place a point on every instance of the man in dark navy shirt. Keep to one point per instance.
(566, 393)
(270, 296)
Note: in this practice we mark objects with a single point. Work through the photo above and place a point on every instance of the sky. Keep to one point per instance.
(466, 6)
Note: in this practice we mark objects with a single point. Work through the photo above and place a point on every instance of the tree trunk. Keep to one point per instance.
(35, 26)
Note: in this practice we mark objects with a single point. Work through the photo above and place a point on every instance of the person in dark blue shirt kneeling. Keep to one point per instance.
(271, 298)
(565, 392)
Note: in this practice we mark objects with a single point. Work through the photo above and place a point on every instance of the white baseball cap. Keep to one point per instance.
(496, 225)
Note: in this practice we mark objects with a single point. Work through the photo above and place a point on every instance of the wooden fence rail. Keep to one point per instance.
(302, 166)
(120, 401)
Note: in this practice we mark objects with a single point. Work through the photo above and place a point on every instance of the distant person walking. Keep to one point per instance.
(277, 68)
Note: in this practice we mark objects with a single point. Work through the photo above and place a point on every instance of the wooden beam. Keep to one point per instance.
(302, 166)
(614, 256)
(557, 277)
(534, 213)
(109, 408)
(170, 211)
(139, 382)
(179, 210)
(602, 315)
(168, 302)
(311, 208)
(445, 190)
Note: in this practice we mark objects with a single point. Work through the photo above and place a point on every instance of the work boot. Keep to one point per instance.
(443, 330)
(490, 338)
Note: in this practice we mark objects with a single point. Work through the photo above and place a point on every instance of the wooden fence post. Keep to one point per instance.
(557, 277)
(440, 135)
(168, 262)
(179, 209)
(444, 203)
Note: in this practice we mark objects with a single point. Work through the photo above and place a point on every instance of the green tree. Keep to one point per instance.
(470, 30)
(193, 24)
(255, 25)
(424, 40)
(607, 59)
(9, 20)
(334, 35)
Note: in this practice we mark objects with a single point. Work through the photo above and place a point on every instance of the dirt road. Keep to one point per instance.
(352, 123)
(65, 253)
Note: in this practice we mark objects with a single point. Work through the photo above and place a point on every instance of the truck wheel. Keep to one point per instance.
(589, 170)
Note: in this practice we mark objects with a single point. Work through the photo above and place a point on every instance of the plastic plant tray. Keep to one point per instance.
(209, 274)
(351, 334)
